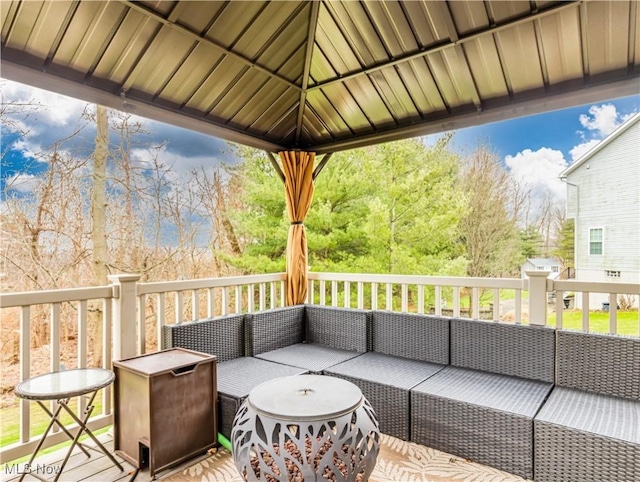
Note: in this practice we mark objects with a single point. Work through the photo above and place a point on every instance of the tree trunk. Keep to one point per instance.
(99, 222)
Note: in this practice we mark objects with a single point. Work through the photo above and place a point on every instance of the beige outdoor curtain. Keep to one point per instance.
(298, 172)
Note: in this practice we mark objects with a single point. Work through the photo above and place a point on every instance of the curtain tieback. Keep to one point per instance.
(295, 222)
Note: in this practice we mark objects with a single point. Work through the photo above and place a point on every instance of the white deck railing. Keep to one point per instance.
(133, 313)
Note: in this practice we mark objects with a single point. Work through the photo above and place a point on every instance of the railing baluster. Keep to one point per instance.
(559, 308)
(374, 296)
(456, 301)
(518, 302)
(250, 298)
(262, 296)
(25, 370)
(195, 305)
(404, 297)
(323, 293)
(54, 343)
(496, 304)
(438, 299)
(82, 345)
(211, 303)
(585, 311)
(106, 352)
(334, 293)
(347, 294)
(224, 301)
(421, 299)
(179, 298)
(613, 313)
(272, 295)
(238, 299)
(475, 306)
(160, 319)
(142, 325)
(360, 295)
(389, 297)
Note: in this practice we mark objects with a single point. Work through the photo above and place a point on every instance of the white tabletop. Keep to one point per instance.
(64, 384)
(305, 397)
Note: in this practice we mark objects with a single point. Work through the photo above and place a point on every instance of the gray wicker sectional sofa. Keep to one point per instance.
(537, 402)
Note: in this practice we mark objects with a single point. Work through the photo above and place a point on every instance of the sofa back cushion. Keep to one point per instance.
(409, 335)
(223, 337)
(343, 328)
(272, 329)
(518, 350)
(606, 364)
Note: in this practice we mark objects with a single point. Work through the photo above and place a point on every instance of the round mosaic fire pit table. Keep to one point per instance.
(305, 428)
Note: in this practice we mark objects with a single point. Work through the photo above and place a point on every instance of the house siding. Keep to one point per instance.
(608, 197)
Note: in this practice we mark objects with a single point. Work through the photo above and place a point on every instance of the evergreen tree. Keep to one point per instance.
(391, 208)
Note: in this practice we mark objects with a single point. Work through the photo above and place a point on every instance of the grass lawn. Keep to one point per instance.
(628, 323)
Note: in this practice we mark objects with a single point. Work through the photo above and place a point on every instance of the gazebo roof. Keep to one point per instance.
(325, 75)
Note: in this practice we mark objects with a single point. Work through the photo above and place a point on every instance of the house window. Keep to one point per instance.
(595, 241)
(612, 274)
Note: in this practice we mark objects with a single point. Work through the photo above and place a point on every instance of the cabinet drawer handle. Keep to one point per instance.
(184, 370)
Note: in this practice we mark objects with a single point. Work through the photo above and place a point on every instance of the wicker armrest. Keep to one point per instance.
(273, 329)
(223, 337)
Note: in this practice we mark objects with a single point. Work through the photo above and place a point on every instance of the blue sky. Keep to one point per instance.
(535, 149)
(559, 130)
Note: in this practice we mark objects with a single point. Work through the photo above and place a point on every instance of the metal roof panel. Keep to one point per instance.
(327, 74)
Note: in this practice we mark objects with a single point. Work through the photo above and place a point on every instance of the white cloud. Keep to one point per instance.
(51, 108)
(538, 170)
(602, 120)
(581, 149)
(22, 182)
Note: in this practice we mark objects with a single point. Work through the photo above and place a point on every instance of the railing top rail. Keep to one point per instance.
(185, 285)
(460, 281)
(597, 287)
(26, 298)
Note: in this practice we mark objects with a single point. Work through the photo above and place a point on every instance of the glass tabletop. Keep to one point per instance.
(64, 384)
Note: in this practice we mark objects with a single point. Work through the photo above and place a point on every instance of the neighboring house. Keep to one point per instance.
(541, 264)
(603, 196)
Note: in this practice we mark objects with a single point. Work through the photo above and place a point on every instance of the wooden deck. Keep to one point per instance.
(97, 468)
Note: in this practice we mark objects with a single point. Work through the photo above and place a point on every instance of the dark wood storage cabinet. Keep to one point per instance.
(165, 407)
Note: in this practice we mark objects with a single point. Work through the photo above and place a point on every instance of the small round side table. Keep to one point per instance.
(305, 428)
(61, 386)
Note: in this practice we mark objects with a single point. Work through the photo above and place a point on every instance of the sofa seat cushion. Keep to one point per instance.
(519, 396)
(613, 417)
(386, 369)
(385, 381)
(485, 417)
(236, 378)
(585, 436)
(309, 356)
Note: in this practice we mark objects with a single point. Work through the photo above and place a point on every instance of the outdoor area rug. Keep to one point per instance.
(398, 461)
